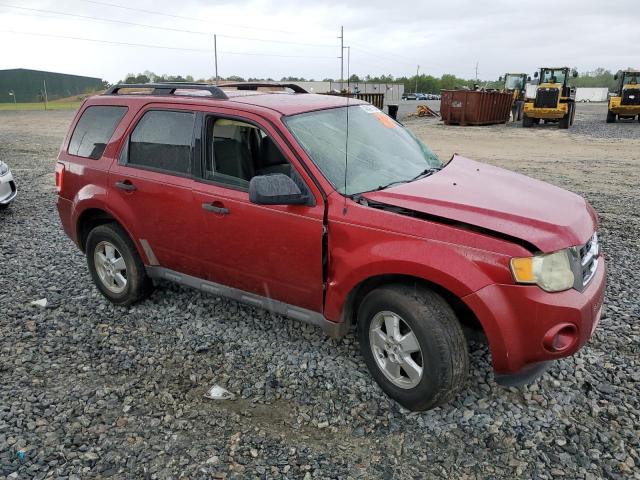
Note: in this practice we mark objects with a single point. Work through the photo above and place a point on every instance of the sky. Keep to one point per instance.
(276, 38)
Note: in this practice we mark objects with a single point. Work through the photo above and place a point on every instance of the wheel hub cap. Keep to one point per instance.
(110, 267)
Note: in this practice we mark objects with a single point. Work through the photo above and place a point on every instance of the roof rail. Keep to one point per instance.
(169, 88)
(256, 85)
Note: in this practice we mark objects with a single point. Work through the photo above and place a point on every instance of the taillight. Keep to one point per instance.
(59, 176)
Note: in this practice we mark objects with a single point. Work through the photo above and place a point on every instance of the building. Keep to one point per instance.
(392, 91)
(23, 85)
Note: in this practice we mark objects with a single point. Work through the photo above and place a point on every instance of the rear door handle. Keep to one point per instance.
(126, 185)
(215, 209)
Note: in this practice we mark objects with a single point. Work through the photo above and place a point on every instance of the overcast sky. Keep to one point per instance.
(386, 37)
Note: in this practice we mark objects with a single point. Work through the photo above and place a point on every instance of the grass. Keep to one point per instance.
(55, 105)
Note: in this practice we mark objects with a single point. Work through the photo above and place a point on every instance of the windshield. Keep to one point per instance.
(553, 76)
(514, 82)
(631, 78)
(381, 151)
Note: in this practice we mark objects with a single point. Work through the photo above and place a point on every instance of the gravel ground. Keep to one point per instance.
(89, 390)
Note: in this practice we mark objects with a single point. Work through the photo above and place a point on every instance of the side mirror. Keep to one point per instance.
(275, 189)
(529, 78)
(615, 77)
(500, 79)
(575, 74)
(535, 75)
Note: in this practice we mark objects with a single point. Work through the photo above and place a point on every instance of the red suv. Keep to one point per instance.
(326, 210)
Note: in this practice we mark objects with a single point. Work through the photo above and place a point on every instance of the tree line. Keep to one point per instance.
(600, 77)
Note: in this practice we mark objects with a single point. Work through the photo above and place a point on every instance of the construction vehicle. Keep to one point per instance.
(515, 83)
(555, 98)
(625, 102)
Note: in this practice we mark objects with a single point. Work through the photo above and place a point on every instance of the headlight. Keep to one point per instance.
(4, 169)
(551, 272)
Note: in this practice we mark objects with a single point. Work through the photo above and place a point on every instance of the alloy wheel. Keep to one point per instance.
(110, 266)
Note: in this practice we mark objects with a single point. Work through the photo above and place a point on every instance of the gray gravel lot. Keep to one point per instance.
(89, 390)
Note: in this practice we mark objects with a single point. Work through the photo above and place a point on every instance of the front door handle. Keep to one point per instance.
(126, 185)
(215, 208)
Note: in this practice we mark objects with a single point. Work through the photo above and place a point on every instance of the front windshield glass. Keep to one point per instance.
(380, 150)
(514, 82)
(553, 76)
(631, 78)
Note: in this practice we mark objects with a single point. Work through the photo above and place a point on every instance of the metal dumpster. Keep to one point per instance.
(475, 107)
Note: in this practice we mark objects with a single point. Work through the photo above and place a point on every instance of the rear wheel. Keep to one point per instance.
(413, 345)
(115, 266)
(611, 117)
(527, 121)
(565, 121)
(573, 113)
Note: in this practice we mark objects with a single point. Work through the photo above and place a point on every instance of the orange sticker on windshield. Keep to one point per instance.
(386, 121)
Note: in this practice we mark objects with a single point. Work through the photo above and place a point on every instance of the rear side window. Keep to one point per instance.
(162, 140)
(94, 129)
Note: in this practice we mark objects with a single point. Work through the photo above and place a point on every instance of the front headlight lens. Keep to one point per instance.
(4, 169)
(551, 272)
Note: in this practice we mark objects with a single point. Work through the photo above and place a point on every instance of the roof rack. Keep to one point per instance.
(256, 85)
(169, 88)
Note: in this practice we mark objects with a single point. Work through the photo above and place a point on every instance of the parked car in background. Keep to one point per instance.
(8, 189)
(422, 96)
(409, 96)
(245, 194)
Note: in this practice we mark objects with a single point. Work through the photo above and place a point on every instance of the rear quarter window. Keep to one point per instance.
(94, 129)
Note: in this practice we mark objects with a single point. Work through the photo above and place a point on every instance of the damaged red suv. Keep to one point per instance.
(326, 210)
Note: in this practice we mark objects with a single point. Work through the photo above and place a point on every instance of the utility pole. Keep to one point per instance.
(348, 67)
(417, 70)
(215, 55)
(476, 72)
(45, 93)
(341, 57)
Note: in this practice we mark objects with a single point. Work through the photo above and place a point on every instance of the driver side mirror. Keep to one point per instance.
(615, 77)
(275, 189)
(574, 73)
(535, 75)
(529, 78)
(500, 79)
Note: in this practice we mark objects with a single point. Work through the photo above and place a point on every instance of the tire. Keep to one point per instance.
(611, 117)
(105, 265)
(564, 122)
(536, 121)
(442, 348)
(527, 122)
(573, 114)
(4, 206)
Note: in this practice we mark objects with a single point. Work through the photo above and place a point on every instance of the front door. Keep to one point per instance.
(271, 250)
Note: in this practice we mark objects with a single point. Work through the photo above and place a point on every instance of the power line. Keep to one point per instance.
(157, 27)
(185, 17)
(146, 45)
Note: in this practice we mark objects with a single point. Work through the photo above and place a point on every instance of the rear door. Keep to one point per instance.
(151, 185)
(274, 251)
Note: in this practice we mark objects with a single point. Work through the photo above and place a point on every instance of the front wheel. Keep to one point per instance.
(413, 345)
(115, 265)
(611, 117)
(527, 121)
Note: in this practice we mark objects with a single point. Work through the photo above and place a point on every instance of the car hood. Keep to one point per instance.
(497, 200)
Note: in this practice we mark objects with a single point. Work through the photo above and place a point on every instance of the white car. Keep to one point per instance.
(8, 190)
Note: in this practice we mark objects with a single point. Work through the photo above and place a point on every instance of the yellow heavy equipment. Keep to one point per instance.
(625, 102)
(515, 83)
(555, 98)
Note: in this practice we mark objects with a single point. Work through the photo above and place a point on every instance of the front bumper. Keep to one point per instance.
(521, 322)
(8, 189)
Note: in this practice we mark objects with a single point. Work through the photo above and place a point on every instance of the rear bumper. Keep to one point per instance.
(522, 323)
(631, 110)
(65, 208)
(8, 189)
(545, 113)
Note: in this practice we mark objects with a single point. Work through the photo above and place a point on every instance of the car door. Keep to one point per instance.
(270, 250)
(151, 186)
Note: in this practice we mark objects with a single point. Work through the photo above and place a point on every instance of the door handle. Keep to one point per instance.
(215, 209)
(126, 185)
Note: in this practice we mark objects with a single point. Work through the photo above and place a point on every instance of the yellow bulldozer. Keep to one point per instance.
(625, 102)
(516, 83)
(555, 98)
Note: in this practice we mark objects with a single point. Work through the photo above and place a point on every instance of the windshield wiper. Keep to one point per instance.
(424, 173)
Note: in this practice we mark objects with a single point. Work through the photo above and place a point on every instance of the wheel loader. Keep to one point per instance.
(516, 83)
(555, 98)
(625, 102)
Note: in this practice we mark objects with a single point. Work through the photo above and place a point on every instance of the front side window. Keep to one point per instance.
(377, 152)
(631, 79)
(94, 130)
(514, 82)
(163, 140)
(236, 151)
